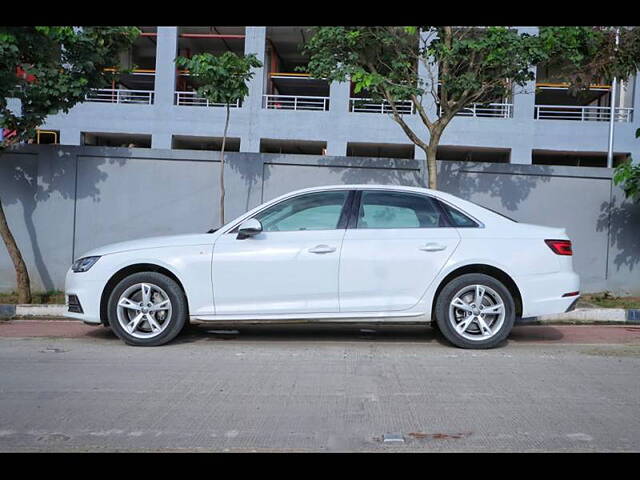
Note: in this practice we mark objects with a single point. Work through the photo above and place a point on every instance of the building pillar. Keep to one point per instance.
(161, 140)
(255, 42)
(70, 136)
(339, 95)
(337, 147)
(165, 81)
(524, 99)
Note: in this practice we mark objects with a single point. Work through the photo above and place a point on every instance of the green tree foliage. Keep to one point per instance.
(628, 175)
(460, 66)
(221, 79)
(49, 69)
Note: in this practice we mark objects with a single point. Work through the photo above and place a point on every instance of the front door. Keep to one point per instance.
(291, 267)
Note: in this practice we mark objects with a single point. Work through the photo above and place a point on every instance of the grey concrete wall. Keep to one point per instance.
(62, 201)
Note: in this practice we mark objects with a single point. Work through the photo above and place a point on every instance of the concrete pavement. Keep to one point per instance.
(65, 386)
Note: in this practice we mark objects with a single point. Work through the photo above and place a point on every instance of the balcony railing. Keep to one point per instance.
(108, 95)
(585, 113)
(293, 102)
(492, 110)
(193, 100)
(368, 105)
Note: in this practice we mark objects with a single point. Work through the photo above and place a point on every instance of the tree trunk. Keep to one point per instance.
(224, 141)
(432, 150)
(22, 276)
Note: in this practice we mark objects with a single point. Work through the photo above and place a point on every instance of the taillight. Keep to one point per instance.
(560, 247)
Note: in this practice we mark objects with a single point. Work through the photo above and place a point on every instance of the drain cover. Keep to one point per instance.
(392, 438)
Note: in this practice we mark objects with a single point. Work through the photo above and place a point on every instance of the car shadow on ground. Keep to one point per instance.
(319, 333)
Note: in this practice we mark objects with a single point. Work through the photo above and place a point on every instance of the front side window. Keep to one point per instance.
(398, 210)
(314, 211)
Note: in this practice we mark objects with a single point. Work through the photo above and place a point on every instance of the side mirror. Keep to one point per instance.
(249, 228)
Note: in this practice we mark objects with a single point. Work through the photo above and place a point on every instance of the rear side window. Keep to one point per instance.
(398, 210)
(458, 219)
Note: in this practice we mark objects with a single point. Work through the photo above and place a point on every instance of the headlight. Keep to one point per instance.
(84, 264)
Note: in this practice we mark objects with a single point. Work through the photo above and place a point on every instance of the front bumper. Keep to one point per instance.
(88, 291)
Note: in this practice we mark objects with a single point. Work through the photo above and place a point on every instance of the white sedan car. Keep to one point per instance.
(347, 253)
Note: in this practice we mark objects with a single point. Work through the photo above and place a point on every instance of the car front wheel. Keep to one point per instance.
(147, 309)
(475, 311)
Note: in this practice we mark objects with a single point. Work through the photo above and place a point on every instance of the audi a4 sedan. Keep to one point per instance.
(347, 253)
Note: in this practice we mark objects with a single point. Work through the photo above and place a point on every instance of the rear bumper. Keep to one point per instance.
(543, 294)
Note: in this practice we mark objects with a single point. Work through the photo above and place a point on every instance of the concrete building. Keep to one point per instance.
(288, 112)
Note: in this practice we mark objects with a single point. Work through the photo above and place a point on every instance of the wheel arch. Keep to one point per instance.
(125, 272)
(490, 270)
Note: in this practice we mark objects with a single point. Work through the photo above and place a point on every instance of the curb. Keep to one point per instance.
(32, 310)
(587, 316)
(578, 316)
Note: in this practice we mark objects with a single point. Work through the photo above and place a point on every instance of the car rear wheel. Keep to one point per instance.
(475, 311)
(147, 309)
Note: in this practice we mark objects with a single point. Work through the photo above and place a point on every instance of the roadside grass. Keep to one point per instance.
(607, 300)
(39, 298)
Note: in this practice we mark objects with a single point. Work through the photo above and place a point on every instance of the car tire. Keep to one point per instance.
(468, 325)
(154, 323)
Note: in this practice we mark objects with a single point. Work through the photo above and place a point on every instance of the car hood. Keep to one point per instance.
(153, 242)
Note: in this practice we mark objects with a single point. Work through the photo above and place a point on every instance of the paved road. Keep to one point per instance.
(318, 388)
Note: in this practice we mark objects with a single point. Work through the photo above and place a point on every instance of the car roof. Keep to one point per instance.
(366, 186)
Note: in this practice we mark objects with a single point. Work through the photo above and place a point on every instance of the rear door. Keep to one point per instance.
(394, 247)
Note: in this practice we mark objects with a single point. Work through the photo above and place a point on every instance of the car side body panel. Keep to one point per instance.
(518, 250)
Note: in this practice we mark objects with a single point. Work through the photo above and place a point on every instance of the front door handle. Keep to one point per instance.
(322, 249)
(433, 247)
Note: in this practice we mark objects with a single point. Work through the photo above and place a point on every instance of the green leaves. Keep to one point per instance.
(61, 65)
(629, 176)
(222, 78)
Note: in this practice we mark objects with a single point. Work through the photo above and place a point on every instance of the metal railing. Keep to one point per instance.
(586, 113)
(491, 110)
(193, 100)
(109, 95)
(293, 102)
(368, 105)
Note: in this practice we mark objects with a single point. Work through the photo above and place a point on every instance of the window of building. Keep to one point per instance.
(473, 154)
(215, 40)
(576, 159)
(128, 140)
(46, 137)
(188, 142)
(380, 150)
(287, 84)
(305, 147)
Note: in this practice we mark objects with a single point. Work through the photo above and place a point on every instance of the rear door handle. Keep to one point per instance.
(322, 249)
(433, 247)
